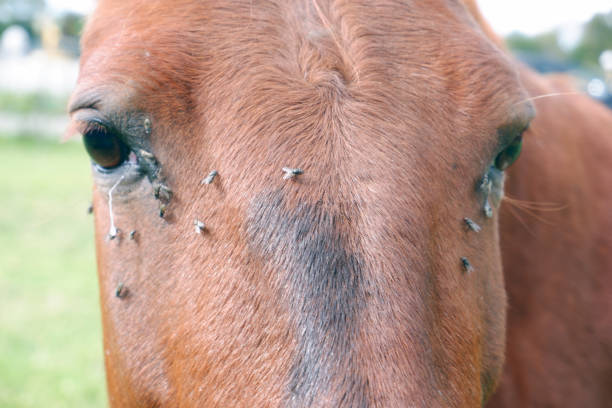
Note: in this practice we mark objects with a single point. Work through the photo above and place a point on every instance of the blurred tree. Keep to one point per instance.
(33, 15)
(546, 43)
(21, 12)
(543, 50)
(71, 24)
(19, 9)
(597, 38)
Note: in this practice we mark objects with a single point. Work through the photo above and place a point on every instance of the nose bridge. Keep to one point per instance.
(363, 303)
(418, 329)
(397, 325)
(322, 277)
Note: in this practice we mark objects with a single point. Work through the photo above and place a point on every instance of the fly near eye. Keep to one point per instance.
(509, 155)
(104, 147)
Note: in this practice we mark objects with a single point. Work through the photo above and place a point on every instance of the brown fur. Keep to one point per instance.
(556, 265)
(343, 286)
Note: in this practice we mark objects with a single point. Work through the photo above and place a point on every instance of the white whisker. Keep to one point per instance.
(548, 96)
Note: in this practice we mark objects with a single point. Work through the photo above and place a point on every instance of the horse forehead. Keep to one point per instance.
(177, 31)
(158, 53)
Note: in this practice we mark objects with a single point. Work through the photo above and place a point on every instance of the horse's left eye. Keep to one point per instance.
(509, 155)
(104, 147)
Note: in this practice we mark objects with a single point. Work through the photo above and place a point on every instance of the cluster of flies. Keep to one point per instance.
(163, 194)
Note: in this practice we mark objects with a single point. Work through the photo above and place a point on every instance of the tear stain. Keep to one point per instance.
(485, 188)
(113, 231)
(491, 186)
(486, 208)
(147, 126)
(497, 178)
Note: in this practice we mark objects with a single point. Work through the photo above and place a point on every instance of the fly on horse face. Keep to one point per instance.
(301, 204)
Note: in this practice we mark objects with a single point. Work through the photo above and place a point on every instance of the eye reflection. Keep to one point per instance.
(509, 155)
(104, 147)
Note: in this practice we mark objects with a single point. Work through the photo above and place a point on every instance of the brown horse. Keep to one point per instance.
(297, 204)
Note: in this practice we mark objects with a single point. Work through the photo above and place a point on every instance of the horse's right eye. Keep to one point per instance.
(509, 155)
(104, 147)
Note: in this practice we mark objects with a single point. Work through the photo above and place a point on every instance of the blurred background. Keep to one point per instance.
(50, 335)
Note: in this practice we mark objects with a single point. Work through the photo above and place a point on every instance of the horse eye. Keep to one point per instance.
(104, 147)
(509, 155)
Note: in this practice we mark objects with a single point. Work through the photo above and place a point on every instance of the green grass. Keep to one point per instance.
(38, 102)
(50, 331)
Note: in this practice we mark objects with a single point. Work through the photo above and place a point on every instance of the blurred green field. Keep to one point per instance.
(39, 102)
(50, 331)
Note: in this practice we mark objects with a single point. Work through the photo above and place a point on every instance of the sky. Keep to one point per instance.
(77, 6)
(536, 16)
(527, 16)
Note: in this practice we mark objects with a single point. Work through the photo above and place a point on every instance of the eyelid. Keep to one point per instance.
(85, 98)
(87, 126)
(80, 127)
(94, 124)
(84, 122)
(509, 132)
(130, 127)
